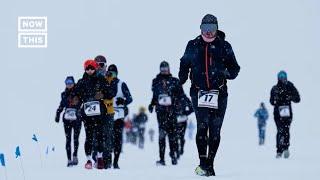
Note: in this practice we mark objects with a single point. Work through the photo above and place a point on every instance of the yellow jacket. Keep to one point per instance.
(109, 102)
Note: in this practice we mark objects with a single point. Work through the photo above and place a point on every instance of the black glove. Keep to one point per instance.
(126, 111)
(120, 101)
(150, 107)
(57, 119)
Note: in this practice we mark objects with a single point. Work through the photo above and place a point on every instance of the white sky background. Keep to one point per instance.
(267, 36)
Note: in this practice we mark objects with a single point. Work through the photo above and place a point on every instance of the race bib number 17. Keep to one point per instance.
(92, 108)
(208, 99)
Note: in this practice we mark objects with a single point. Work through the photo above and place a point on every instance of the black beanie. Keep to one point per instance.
(113, 68)
(164, 64)
(100, 59)
(209, 23)
(209, 19)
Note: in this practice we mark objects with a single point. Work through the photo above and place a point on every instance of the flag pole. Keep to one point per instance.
(5, 173)
(21, 165)
(41, 163)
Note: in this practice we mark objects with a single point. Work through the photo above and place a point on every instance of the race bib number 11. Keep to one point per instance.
(164, 100)
(284, 111)
(208, 99)
(92, 108)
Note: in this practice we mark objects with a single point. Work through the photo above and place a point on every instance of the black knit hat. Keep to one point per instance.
(100, 59)
(113, 68)
(209, 23)
(164, 66)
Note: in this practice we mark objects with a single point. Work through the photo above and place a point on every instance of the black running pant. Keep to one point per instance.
(118, 131)
(181, 130)
(209, 122)
(167, 127)
(68, 127)
(283, 133)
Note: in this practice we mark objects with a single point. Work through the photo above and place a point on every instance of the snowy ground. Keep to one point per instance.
(239, 158)
(267, 36)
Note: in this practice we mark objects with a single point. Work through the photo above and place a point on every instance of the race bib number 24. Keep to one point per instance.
(92, 108)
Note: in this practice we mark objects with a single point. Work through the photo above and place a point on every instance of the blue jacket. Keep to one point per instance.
(261, 114)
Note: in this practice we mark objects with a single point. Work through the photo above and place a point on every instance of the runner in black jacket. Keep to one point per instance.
(183, 110)
(92, 89)
(210, 61)
(166, 90)
(121, 101)
(140, 122)
(70, 104)
(281, 97)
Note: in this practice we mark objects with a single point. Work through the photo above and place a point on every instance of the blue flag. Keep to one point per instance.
(18, 153)
(2, 161)
(34, 137)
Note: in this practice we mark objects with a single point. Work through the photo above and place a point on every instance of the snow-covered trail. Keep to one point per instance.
(267, 36)
(239, 158)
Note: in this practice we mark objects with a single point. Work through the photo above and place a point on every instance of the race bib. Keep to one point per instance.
(164, 100)
(134, 129)
(70, 114)
(118, 113)
(182, 118)
(284, 111)
(208, 99)
(92, 108)
(142, 126)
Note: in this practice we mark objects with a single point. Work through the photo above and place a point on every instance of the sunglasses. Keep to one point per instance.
(90, 68)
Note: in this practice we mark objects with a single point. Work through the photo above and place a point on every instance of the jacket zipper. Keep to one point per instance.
(207, 70)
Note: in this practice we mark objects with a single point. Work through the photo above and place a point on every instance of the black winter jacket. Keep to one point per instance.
(166, 84)
(69, 99)
(282, 94)
(184, 106)
(88, 88)
(209, 64)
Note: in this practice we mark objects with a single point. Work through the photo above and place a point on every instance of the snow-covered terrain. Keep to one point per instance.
(267, 36)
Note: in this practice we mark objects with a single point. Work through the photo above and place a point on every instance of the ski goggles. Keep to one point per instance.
(69, 82)
(111, 74)
(164, 69)
(102, 65)
(208, 27)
